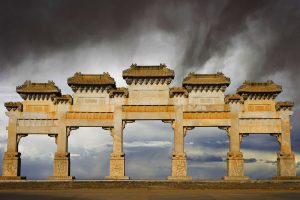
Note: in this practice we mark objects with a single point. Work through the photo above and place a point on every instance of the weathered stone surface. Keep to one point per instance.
(200, 102)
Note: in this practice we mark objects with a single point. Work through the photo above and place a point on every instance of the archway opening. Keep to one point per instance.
(90, 149)
(148, 147)
(37, 153)
(206, 149)
(260, 156)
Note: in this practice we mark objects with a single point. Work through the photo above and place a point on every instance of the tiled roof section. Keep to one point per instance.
(119, 92)
(233, 98)
(38, 88)
(63, 99)
(284, 105)
(263, 87)
(206, 79)
(91, 79)
(179, 91)
(13, 106)
(148, 71)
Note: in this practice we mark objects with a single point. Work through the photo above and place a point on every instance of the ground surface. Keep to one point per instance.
(143, 194)
(149, 190)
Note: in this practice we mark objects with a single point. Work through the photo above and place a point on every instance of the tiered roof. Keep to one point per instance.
(91, 81)
(152, 74)
(119, 92)
(63, 99)
(13, 106)
(259, 89)
(236, 98)
(178, 91)
(38, 90)
(284, 105)
(206, 81)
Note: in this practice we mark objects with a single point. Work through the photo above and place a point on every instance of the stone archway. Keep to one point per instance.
(260, 155)
(206, 149)
(90, 149)
(148, 146)
(37, 152)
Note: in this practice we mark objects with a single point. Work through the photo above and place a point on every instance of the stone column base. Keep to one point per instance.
(11, 165)
(61, 167)
(12, 178)
(179, 167)
(286, 165)
(117, 167)
(235, 166)
(61, 177)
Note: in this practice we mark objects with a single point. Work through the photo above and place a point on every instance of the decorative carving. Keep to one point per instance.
(206, 115)
(278, 137)
(19, 136)
(186, 128)
(37, 122)
(148, 108)
(90, 115)
(242, 135)
(13, 106)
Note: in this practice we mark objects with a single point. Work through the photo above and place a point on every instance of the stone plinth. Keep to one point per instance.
(61, 168)
(179, 167)
(117, 167)
(11, 165)
(286, 165)
(235, 167)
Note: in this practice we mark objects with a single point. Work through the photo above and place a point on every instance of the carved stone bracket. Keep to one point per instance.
(71, 128)
(124, 122)
(278, 137)
(242, 135)
(19, 136)
(169, 121)
(187, 128)
(55, 137)
(225, 128)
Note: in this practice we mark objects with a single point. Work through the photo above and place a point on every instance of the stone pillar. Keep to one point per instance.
(179, 164)
(235, 161)
(286, 167)
(61, 165)
(117, 158)
(11, 164)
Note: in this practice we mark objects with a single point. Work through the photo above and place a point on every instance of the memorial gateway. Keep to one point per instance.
(200, 102)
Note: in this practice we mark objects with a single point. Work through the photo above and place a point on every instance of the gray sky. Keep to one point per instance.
(247, 40)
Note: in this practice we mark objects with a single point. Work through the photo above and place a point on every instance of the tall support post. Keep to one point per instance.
(286, 167)
(61, 165)
(11, 164)
(179, 164)
(117, 157)
(235, 161)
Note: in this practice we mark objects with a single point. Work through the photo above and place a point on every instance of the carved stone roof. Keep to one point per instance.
(91, 79)
(284, 105)
(63, 99)
(13, 106)
(260, 90)
(31, 90)
(29, 87)
(262, 87)
(148, 71)
(236, 98)
(206, 79)
(178, 91)
(119, 92)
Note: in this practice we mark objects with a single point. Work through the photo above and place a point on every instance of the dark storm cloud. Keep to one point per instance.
(206, 158)
(38, 27)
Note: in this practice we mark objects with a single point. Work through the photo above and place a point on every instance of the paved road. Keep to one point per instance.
(141, 194)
